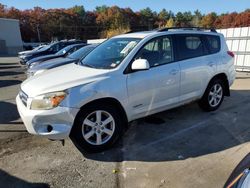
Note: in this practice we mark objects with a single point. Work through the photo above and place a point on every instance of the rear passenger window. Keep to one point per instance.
(193, 42)
(213, 43)
(190, 46)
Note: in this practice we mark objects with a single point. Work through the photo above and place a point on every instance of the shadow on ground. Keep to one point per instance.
(9, 73)
(184, 132)
(8, 63)
(9, 181)
(6, 83)
(8, 67)
(8, 113)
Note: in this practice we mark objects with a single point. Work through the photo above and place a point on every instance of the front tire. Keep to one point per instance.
(213, 96)
(96, 128)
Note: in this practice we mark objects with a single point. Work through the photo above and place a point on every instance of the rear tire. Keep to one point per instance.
(213, 96)
(96, 128)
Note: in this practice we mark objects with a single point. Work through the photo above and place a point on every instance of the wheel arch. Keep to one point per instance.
(76, 132)
(223, 77)
(109, 100)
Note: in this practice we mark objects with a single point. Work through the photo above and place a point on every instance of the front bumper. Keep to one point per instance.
(60, 119)
(232, 75)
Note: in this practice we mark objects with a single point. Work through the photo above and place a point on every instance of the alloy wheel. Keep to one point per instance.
(98, 127)
(215, 95)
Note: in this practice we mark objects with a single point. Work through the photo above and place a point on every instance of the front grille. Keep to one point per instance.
(24, 97)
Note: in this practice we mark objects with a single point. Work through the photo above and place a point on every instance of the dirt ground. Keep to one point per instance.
(182, 147)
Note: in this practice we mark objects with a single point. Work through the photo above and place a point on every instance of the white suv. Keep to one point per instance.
(127, 77)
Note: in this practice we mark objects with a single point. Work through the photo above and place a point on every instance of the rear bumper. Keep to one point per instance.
(37, 122)
(232, 76)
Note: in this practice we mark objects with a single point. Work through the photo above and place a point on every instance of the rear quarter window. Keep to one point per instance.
(213, 43)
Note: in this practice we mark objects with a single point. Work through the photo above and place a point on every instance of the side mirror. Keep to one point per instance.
(140, 64)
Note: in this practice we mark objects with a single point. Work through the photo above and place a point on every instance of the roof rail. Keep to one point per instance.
(187, 28)
(70, 40)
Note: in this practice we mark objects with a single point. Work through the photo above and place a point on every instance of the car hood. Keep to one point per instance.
(35, 52)
(43, 58)
(52, 63)
(61, 78)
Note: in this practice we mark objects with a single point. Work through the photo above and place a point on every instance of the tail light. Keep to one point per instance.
(230, 53)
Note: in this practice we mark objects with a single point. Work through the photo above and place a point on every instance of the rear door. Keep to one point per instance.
(155, 89)
(196, 66)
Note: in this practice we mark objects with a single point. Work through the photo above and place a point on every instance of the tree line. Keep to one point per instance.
(49, 24)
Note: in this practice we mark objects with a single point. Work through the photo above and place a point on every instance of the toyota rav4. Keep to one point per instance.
(125, 78)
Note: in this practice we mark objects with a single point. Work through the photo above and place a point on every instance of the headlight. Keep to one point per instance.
(30, 65)
(47, 101)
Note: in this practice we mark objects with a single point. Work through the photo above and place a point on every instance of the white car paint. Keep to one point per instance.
(61, 78)
(140, 93)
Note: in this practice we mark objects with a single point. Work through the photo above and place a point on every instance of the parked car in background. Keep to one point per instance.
(61, 53)
(47, 50)
(240, 177)
(49, 64)
(28, 51)
(127, 77)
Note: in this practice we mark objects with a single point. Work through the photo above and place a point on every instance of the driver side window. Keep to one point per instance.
(158, 51)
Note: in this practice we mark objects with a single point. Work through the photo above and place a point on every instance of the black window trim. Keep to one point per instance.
(128, 69)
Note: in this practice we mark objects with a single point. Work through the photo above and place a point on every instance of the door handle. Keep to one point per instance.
(174, 72)
(211, 64)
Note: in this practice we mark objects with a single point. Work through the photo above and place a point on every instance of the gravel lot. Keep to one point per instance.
(183, 147)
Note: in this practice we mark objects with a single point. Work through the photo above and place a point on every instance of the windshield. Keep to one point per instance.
(64, 50)
(110, 54)
(81, 53)
(38, 48)
(45, 47)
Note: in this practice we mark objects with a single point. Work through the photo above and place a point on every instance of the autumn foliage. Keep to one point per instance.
(106, 21)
